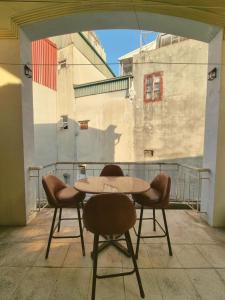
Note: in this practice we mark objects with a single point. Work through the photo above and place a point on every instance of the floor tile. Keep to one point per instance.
(144, 260)
(10, 278)
(109, 288)
(189, 256)
(207, 283)
(149, 283)
(72, 283)
(175, 284)
(75, 258)
(221, 272)
(37, 284)
(57, 255)
(160, 258)
(22, 254)
(214, 254)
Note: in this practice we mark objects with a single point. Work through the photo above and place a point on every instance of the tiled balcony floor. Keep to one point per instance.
(196, 270)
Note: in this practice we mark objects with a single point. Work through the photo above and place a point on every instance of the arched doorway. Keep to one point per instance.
(70, 17)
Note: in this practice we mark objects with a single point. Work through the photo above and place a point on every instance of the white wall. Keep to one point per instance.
(65, 96)
(45, 127)
(84, 73)
(74, 73)
(110, 133)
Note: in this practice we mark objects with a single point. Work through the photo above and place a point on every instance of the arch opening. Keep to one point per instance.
(121, 20)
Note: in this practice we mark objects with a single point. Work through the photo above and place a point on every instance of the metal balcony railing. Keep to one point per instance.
(186, 180)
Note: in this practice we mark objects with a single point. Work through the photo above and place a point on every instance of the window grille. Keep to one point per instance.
(153, 87)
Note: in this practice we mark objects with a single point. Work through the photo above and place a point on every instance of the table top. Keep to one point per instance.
(112, 184)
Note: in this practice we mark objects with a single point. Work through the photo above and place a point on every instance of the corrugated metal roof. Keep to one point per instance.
(102, 86)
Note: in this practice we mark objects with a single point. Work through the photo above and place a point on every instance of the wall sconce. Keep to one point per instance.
(64, 122)
(27, 71)
(212, 74)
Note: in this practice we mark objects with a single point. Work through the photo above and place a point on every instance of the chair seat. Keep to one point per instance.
(151, 198)
(69, 197)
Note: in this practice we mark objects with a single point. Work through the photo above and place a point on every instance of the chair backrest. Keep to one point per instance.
(52, 185)
(162, 183)
(109, 214)
(111, 170)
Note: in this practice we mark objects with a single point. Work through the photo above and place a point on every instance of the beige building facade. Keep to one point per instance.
(170, 83)
(159, 116)
(77, 55)
(108, 110)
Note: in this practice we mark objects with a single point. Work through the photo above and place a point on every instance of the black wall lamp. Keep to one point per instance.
(212, 74)
(27, 71)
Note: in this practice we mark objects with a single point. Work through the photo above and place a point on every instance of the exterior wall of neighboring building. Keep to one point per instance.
(75, 57)
(109, 136)
(80, 41)
(84, 71)
(45, 130)
(79, 69)
(171, 126)
(168, 126)
(93, 39)
(44, 58)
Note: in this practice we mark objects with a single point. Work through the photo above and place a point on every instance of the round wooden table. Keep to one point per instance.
(112, 184)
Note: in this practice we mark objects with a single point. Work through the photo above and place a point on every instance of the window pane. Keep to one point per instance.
(149, 88)
(156, 88)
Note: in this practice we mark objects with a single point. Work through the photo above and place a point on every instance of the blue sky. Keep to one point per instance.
(118, 42)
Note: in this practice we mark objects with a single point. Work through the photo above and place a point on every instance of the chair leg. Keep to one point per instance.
(51, 233)
(139, 232)
(130, 247)
(167, 232)
(154, 222)
(82, 204)
(60, 216)
(81, 231)
(128, 251)
(95, 261)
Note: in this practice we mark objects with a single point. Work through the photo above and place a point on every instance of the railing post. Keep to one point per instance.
(199, 188)
(177, 182)
(73, 173)
(38, 191)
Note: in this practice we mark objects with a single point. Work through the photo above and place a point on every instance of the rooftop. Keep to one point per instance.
(147, 47)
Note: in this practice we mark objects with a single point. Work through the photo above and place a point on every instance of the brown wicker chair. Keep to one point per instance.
(111, 170)
(61, 196)
(157, 197)
(110, 214)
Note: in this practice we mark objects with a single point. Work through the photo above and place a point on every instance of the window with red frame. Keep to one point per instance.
(153, 87)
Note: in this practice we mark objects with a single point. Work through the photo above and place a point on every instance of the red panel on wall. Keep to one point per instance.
(44, 59)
